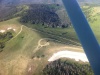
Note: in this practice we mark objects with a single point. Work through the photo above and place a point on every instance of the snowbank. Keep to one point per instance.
(69, 54)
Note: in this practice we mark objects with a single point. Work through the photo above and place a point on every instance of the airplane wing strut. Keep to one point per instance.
(85, 34)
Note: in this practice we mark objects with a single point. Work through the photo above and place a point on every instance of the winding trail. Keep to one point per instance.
(40, 45)
(19, 31)
(21, 28)
(56, 36)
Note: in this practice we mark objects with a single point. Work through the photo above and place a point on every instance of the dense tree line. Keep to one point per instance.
(67, 67)
(4, 37)
(6, 12)
(42, 14)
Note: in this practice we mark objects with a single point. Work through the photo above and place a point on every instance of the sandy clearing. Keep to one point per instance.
(7, 29)
(2, 31)
(78, 56)
(14, 29)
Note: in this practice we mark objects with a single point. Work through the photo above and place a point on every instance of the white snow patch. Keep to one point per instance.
(2, 31)
(69, 54)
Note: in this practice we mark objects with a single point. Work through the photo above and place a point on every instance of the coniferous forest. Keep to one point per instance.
(67, 67)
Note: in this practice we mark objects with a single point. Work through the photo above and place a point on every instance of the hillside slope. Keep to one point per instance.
(29, 48)
(42, 14)
(17, 2)
(8, 12)
(28, 51)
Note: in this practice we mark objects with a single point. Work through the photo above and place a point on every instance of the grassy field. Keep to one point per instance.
(94, 19)
(29, 51)
(92, 14)
(61, 35)
(19, 49)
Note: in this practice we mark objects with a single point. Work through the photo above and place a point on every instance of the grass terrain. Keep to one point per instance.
(64, 36)
(26, 50)
(93, 13)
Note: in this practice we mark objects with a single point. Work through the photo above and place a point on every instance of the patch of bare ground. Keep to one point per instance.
(8, 27)
(16, 66)
(30, 68)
